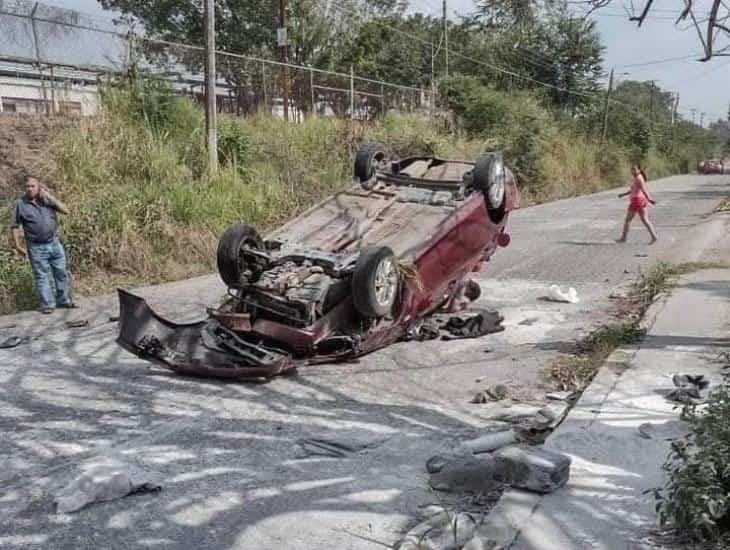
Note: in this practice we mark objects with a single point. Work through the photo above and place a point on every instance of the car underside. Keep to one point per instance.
(356, 272)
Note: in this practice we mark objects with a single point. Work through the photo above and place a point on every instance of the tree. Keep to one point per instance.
(395, 49)
(545, 46)
(249, 26)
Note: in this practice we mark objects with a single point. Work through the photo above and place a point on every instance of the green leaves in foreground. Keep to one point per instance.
(696, 497)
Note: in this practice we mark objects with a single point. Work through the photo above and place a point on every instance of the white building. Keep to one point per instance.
(26, 90)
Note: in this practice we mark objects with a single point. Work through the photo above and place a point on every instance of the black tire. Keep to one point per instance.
(369, 295)
(366, 163)
(232, 267)
(489, 177)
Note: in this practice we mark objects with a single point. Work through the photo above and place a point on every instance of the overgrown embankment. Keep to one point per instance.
(144, 210)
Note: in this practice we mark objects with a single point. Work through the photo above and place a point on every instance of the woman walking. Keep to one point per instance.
(639, 200)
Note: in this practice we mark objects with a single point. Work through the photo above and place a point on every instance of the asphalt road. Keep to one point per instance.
(235, 460)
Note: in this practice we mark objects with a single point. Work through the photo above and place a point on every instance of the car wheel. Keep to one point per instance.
(489, 178)
(367, 161)
(375, 281)
(241, 255)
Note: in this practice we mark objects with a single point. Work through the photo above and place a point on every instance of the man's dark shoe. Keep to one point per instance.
(46, 310)
(69, 305)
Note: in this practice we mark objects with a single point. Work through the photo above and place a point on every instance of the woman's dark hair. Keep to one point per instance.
(641, 171)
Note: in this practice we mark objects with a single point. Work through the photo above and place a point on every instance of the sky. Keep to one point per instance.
(701, 86)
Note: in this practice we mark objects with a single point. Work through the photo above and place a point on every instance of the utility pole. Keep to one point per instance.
(283, 42)
(352, 92)
(674, 109)
(210, 91)
(433, 84)
(674, 121)
(605, 108)
(702, 120)
(651, 101)
(694, 112)
(446, 40)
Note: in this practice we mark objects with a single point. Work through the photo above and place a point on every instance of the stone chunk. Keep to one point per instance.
(468, 474)
(533, 468)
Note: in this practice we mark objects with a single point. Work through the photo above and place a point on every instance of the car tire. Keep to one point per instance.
(368, 158)
(233, 269)
(489, 177)
(375, 282)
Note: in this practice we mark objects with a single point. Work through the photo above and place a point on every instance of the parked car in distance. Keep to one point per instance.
(713, 166)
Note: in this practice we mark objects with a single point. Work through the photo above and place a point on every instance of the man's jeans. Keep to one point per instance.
(45, 257)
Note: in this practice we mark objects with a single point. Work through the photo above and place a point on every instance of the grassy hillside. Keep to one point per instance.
(144, 210)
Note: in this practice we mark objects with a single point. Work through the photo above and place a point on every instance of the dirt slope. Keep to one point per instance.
(25, 144)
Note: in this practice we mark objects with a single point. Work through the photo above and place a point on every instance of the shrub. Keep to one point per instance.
(696, 497)
(16, 284)
(234, 145)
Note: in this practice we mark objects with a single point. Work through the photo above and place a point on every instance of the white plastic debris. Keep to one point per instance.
(103, 481)
(556, 294)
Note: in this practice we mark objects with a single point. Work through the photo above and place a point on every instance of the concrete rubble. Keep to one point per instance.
(533, 468)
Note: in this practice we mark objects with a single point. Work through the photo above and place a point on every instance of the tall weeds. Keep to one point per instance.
(144, 209)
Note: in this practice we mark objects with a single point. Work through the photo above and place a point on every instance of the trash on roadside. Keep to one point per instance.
(556, 294)
(13, 342)
(102, 483)
(689, 389)
(78, 324)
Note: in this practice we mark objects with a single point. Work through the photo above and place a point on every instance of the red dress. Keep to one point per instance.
(637, 198)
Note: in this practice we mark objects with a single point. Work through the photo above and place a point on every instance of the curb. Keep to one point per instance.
(504, 523)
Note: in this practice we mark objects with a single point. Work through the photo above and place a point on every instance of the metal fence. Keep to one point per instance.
(55, 42)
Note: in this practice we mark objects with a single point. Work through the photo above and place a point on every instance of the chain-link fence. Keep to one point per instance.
(55, 45)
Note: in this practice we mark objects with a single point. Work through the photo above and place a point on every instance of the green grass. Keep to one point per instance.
(144, 209)
(575, 371)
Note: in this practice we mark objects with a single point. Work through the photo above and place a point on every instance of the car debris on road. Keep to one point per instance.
(355, 273)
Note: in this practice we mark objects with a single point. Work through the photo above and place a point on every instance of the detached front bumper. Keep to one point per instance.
(205, 348)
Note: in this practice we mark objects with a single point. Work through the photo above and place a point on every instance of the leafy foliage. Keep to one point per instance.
(696, 497)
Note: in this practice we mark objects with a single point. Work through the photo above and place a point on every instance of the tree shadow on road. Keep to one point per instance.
(235, 471)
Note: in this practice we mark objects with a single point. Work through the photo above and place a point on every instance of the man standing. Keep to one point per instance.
(36, 213)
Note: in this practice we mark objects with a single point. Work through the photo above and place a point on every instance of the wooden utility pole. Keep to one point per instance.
(694, 118)
(702, 120)
(283, 42)
(211, 108)
(446, 39)
(605, 108)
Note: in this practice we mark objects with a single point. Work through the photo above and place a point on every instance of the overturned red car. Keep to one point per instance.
(353, 274)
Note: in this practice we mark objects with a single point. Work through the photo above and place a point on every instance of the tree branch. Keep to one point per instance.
(644, 13)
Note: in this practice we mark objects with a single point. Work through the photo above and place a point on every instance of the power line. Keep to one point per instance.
(660, 61)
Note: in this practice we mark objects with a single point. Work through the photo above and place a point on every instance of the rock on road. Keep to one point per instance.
(243, 465)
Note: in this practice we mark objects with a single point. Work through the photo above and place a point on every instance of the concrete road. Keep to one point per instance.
(239, 462)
